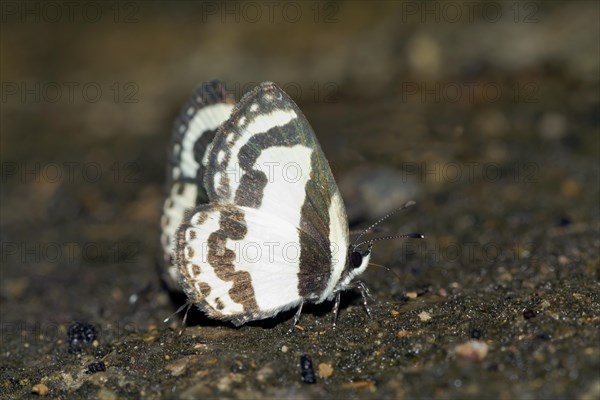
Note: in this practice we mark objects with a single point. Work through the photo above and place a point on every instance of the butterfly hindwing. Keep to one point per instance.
(208, 108)
(237, 262)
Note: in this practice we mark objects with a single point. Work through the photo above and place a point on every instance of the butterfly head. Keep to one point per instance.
(358, 257)
(358, 260)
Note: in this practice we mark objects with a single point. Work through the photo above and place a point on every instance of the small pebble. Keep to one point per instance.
(284, 349)
(424, 316)
(40, 389)
(178, 367)
(325, 370)
(528, 314)
(563, 260)
(308, 372)
(80, 334)
(552, 126)
(369, 385)
(96, 367)
(473, 350)
(224, 384)
(264, 374)
(570, 188)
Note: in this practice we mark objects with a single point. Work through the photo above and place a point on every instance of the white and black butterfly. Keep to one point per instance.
(271, 232)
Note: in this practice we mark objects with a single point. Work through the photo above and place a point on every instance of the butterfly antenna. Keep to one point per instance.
(386, 268)
(408, 235)
(409, 203)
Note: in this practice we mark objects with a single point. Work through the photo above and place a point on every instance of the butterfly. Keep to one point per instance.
(263, 225)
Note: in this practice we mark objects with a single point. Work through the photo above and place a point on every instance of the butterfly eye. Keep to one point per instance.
(355, 259)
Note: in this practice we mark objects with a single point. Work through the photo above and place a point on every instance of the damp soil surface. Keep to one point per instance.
(501, 300)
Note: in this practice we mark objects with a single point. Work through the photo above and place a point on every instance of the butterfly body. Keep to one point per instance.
(272, 232)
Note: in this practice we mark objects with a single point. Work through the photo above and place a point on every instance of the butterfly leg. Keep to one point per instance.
(296, 319)
(336, 306)
(187, 306)
(364, 291)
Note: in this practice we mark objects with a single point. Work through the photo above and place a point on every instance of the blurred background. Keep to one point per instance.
(486, 113)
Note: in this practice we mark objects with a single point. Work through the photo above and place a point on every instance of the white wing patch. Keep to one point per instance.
(260, 124)
(209, 118)
(288, 170)
(269, 253)
(339, 241)
(265, 122)
(280, 199)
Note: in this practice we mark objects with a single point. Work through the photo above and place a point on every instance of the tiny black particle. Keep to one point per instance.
(95, 367)
(423, 290)
(528, 314)
(308, 372)
(476, 334)
(493, 367)
(543, 336)
(80, 334)
(563, 221)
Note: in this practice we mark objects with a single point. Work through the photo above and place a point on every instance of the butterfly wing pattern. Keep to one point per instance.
(254, 223)
(274, 233)
(195, 128)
